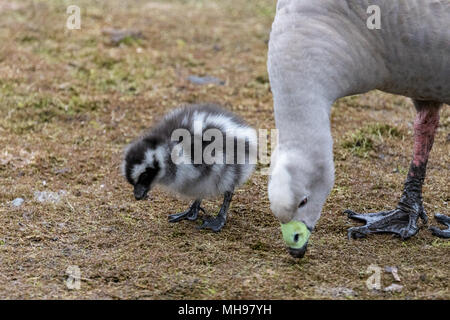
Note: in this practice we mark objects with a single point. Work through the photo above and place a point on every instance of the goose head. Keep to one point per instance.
(298, 188)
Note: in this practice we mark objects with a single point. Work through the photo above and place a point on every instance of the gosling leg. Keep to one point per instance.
(216, 224)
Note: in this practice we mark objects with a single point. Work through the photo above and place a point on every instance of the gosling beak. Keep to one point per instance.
(298, 253)
(140, 192)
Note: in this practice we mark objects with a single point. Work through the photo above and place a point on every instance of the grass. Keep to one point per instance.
(364, 140)
(70, 102)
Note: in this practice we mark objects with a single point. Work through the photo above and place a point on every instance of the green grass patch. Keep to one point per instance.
(28, 113)
(364, 140)
(384, 131)
(438, 243)
(359, 143)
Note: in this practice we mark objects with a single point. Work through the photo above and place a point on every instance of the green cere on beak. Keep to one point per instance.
(295, 234)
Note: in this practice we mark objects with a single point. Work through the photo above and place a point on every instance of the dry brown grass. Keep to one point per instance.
(70, 100)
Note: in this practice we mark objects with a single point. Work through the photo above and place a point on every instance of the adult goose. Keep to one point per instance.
(322, 50)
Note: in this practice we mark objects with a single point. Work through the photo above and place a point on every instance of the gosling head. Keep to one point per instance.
(143, 164)
(298, 188)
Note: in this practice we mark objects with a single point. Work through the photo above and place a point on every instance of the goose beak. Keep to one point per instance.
(140, 192)
(298, 253)
(296, 235)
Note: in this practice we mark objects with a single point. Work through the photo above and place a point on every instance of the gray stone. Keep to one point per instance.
(48, 196)
(17, 202)
(205, 80)
(393, 288)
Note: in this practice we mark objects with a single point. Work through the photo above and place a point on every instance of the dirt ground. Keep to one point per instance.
(72, 99)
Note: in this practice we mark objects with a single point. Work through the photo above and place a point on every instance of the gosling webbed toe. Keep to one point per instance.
(191, 214)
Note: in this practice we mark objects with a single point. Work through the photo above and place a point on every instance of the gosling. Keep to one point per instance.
(196, 151)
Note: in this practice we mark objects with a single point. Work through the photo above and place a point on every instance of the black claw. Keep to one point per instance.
(445, 220)
(356, 233)
(442, 219)
(355, 216)
(349, 212)
(445, 234)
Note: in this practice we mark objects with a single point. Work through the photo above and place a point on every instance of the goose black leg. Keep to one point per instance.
(438, 232)
(191, 214)
(216, 224)
(402, 221)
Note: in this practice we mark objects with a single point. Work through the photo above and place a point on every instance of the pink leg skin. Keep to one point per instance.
(425, 125)
(403, 220)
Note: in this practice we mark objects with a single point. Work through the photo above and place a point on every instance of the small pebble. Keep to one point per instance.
(394, 272)
(48, 196)
(393, 288)
(117, 35)
(62, 171)
(205, 80)
(66, 252)
(336, 291)
(17, 202)
(27, 215)
(107, 229)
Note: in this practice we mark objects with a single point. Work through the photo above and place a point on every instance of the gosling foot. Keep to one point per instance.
(191, 214)
(216, 224)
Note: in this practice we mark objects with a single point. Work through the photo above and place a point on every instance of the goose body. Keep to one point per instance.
(322, 50)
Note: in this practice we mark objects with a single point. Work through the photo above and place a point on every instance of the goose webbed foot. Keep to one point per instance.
(445, 233)
(403, 220)
(216, 224)
(191, 214)
(400, 222)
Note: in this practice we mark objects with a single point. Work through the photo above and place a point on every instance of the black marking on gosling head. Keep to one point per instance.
(135, 155)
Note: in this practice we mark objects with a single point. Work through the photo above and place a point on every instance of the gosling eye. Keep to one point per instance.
(296, 237)
(142, 178)
(303, 203)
